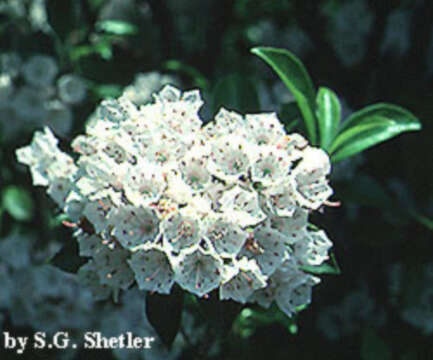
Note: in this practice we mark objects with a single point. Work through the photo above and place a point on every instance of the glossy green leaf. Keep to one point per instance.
(328, 116)
(371, 126)
(294, 75)
(18, 203)
(116, 27)
(164, 313)
(235, 92)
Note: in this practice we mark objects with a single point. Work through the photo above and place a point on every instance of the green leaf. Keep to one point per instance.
(18, 203)
(371, 126)
(235, 92)
(251, 318)
(373, 347)
(116, 27)
(294, 75)
(328, 116)
(103, 48)
(68, 258)
(326, 268)
(104, 91)
(164, 312)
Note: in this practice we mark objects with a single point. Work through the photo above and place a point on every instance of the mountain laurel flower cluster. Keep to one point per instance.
(158, 198)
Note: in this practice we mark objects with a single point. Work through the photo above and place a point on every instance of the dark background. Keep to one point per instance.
(344, 47)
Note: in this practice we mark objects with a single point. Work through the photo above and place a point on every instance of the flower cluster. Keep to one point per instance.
(158, 199)
(30, 97)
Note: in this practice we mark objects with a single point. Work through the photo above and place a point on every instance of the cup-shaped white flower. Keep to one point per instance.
(270, 166)
(313, 249)
(72, 89)
(89, 244)
(226, 122)
(193, 167)
(45, 159)
(143, 183)
(134, 226)
(152, 269)
(226, 237)
(291, 295)
(97, 211)
(230, 157)
(180, 116)
(242, 206)
(40, 70)
(248, 279)
(288, 224)
(112, 267)
(198, 271)
(312, 187)
(268, 247)
(280, 198)
(264, 129)
(181, 230)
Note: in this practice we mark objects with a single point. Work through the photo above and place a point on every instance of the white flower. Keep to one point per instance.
(226, 236)
(248, 279)
(134, 226)
(144, 85)
(231, 157)
(198, 271)
(268, 247)
(310, 176)
(152, 269)
(143, 183)
(182, 230)
(89, 244)
(313, 248)
(112, 267)
(242, 206)
(225, 123)
(264, 129)
(45, 159)
(271, 166)
(40, 70)
(72, 89)
(294, 294)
